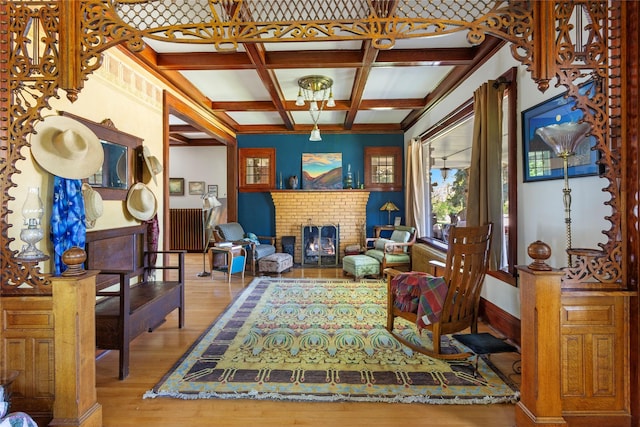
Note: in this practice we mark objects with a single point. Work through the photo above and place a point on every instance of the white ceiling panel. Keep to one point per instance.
(327, 116)
(403, 82)
(457, 39)
(381, 116)
(229, 85)
(246, 118)
(332, 45)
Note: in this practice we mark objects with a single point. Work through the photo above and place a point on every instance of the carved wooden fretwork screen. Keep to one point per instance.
(50, 45)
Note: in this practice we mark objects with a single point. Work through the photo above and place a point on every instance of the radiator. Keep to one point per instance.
(186, 230)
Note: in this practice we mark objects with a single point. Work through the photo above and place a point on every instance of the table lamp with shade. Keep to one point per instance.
(389, 207)
(564, 139)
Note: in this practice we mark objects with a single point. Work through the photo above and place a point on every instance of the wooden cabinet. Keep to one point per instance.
(50, 341)
(580, 337)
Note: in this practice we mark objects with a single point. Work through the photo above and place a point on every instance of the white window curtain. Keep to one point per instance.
(416, 213)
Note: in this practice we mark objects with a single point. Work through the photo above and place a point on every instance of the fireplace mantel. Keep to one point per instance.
(295, 208)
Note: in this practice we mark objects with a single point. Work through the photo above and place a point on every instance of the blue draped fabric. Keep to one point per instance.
(68, 226)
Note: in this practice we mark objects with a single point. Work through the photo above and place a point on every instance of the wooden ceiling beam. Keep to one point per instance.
(341, 105)
(369, 55)
(256, 52)
(425, 57)
(325, 128)
(200, 61)
(204, 61)
(196, 142)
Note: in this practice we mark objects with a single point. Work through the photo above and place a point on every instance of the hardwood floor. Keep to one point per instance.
(153, 354)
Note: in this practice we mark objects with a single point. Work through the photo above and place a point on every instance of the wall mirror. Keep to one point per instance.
(117, 173)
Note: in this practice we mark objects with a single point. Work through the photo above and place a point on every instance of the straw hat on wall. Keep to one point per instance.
(93, 207)
(153, 164)
(66, 148)
(141, 202)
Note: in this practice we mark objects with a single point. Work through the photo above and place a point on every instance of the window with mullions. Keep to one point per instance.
(539, 163)
(383, 168)
(257, 169)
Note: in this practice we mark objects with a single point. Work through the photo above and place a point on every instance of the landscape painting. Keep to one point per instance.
(321, 171)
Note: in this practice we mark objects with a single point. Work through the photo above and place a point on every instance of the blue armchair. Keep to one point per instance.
(257, 246)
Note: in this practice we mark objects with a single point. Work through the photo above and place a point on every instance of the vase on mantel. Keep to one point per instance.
(293, 182)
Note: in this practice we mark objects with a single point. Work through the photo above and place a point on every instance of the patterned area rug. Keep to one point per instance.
(321, 340)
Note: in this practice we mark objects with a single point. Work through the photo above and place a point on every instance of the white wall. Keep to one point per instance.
(540, 206)
(208, 164)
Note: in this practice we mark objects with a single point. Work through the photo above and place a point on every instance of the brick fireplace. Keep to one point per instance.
(297, 208)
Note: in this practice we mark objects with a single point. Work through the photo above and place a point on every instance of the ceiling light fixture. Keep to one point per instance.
(318, 92)
(444, 170)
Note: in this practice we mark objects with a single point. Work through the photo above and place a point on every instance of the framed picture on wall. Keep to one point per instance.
(213, 190)
(176, 186)
(196, 188)
(540, 161)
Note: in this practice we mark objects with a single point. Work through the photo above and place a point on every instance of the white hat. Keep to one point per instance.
(141, 202)
(93, 207)
(66, 148)
(153, 164)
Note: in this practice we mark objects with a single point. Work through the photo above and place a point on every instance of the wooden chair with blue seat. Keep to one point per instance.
(394, 251)
(257, 246)
(464, 272)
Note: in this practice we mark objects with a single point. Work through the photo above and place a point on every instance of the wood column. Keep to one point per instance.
(540, 391)
(75, 343)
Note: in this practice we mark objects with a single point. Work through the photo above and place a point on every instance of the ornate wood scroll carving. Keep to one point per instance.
(72, 36)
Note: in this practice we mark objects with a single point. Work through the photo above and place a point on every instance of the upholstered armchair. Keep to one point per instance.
(394, 251)
(257, 246)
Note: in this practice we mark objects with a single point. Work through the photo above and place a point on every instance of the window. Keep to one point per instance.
(257, 169)
(447, 156)
(383, 168)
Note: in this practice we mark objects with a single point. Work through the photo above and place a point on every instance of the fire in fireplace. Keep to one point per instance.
(320, 244)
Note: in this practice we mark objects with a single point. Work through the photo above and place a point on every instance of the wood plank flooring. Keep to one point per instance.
(153, 354)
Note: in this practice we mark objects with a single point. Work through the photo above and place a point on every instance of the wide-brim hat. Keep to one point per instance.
(66, 148)
(93, 206)
(141, 202)
(153, 164)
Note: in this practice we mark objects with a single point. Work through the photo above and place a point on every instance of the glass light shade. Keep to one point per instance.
(564, 138)
(300, 99)
(32, 211)
(331, 102)
(313, 106)
(444, 172)
(315, 134)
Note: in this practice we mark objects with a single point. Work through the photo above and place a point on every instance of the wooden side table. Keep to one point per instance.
(377, 229)
(235, 260)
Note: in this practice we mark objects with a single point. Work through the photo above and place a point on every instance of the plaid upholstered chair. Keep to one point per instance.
(257, 246)
(451, 305)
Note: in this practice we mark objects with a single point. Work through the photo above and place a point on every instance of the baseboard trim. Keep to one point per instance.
(500, 320)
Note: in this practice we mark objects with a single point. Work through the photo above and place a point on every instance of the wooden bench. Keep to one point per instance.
(129, 299)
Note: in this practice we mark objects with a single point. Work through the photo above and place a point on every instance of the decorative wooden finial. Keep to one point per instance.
(539, 251)
(73, 259)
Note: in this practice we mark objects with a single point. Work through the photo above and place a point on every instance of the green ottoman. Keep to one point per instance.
(360, 265)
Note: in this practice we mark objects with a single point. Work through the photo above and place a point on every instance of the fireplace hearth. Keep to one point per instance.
(320, 245)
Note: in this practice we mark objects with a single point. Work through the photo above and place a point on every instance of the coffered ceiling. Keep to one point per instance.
(253, 89)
